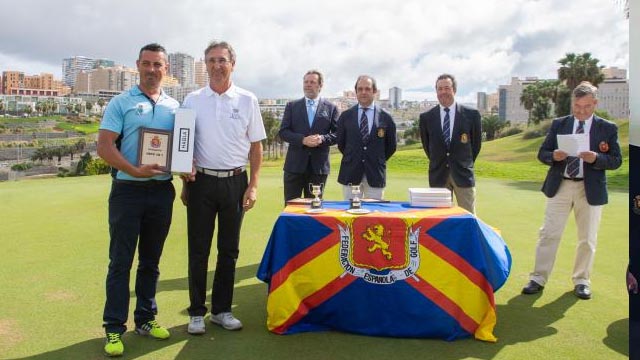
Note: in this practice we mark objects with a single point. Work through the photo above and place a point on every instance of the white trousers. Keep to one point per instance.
(571, 195)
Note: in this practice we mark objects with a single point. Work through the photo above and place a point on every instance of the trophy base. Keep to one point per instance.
(315, 211)
(359, 211)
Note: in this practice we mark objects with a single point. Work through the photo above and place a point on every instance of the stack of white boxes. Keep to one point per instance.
(430, 197)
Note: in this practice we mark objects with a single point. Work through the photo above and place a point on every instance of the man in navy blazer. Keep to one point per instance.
(309, 126)
(578, 183)
(451, 137)
(366, 139)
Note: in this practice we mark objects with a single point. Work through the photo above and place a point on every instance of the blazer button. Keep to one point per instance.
(364, 148)
(447, 154)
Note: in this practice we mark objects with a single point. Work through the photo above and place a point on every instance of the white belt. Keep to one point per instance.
(221, 173)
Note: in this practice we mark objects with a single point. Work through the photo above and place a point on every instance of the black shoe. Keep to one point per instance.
(532, 288)
(582, 291)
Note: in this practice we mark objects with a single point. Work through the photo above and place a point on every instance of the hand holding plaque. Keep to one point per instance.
(154, 147)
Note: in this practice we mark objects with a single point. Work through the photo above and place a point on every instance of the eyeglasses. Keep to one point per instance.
(219, 61)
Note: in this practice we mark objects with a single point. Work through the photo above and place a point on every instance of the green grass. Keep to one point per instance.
(54, 243)
(91, 128)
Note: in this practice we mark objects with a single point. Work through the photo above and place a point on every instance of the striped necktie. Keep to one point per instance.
(364, 125)
(573, 162)
(446, 127)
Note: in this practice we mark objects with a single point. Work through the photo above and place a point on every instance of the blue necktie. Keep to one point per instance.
(573, 162)
(310, 113)
(364, 125)
(446, 127)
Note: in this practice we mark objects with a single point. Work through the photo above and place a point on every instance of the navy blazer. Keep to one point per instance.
(603, 140)
(370, 158)
(295, 126)
(458, 159)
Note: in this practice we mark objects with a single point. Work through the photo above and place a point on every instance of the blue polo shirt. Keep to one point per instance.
(131, 110)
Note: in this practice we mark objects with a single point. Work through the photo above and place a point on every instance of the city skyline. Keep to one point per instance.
(402, 45)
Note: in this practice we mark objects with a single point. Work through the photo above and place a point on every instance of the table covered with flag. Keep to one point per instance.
(397, 271)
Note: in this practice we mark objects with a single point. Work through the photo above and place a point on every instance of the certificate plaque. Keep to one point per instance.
(154, 147)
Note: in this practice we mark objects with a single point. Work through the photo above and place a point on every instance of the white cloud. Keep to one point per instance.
(405, 44)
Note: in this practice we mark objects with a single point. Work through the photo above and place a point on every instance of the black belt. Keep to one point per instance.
(573, 179)
(221, 173)
(142, 183)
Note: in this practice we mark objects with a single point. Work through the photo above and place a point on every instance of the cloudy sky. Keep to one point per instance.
(401, 43)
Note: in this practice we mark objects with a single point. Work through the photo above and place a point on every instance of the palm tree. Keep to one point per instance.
(491, 125)
(576, 68)
(528, 99)
(272, 126)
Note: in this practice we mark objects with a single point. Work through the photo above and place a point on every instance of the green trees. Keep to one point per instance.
(538, 98)
(575, 68)
(491, 125)
(412, 134)
(272, 127)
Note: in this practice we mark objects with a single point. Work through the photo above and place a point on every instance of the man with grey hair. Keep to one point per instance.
(229, 131)
(578, 182)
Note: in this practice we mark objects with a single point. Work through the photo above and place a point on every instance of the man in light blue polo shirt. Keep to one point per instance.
(141, 199)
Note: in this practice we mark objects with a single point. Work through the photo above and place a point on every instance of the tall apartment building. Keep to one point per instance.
(73, 65)
(182, 67)
(395, 97)
(17, 83)
(613, 96)
(201, 76)
(509, 107)
(613, 93)
(169, 80)
(11, 80)
(116, 78)
(487, 103)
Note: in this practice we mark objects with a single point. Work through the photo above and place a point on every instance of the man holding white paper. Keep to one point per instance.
(578, 183)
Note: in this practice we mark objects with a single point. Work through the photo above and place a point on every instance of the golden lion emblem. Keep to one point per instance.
(375, 234)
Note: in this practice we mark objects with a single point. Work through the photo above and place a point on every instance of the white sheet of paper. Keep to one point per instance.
(573, 144)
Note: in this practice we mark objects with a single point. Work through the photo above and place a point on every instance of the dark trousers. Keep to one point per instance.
(296, 185)
(210, 197)
(139, 216)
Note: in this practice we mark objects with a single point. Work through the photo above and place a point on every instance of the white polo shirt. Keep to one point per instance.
(226, 125)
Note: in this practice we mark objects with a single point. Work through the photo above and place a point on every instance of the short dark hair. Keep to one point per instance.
(315, 72)
(450, 77)
(373, 82)
(221, 44)
(152, 47)
(585, 88)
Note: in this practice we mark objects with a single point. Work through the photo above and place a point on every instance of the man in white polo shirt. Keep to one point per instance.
(229, 130)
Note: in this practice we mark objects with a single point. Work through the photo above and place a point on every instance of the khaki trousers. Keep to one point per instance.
(465, 196)
(571, 195)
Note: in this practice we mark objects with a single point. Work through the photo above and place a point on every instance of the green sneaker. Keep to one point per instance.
(114, 346)
(152, 328)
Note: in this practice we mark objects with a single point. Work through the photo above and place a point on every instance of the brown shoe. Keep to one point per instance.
(532, 288)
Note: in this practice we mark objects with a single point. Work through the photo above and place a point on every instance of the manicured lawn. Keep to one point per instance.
(54, 241)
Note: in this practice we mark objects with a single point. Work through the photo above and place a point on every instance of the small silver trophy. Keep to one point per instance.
(356, 203)
(316, 190)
